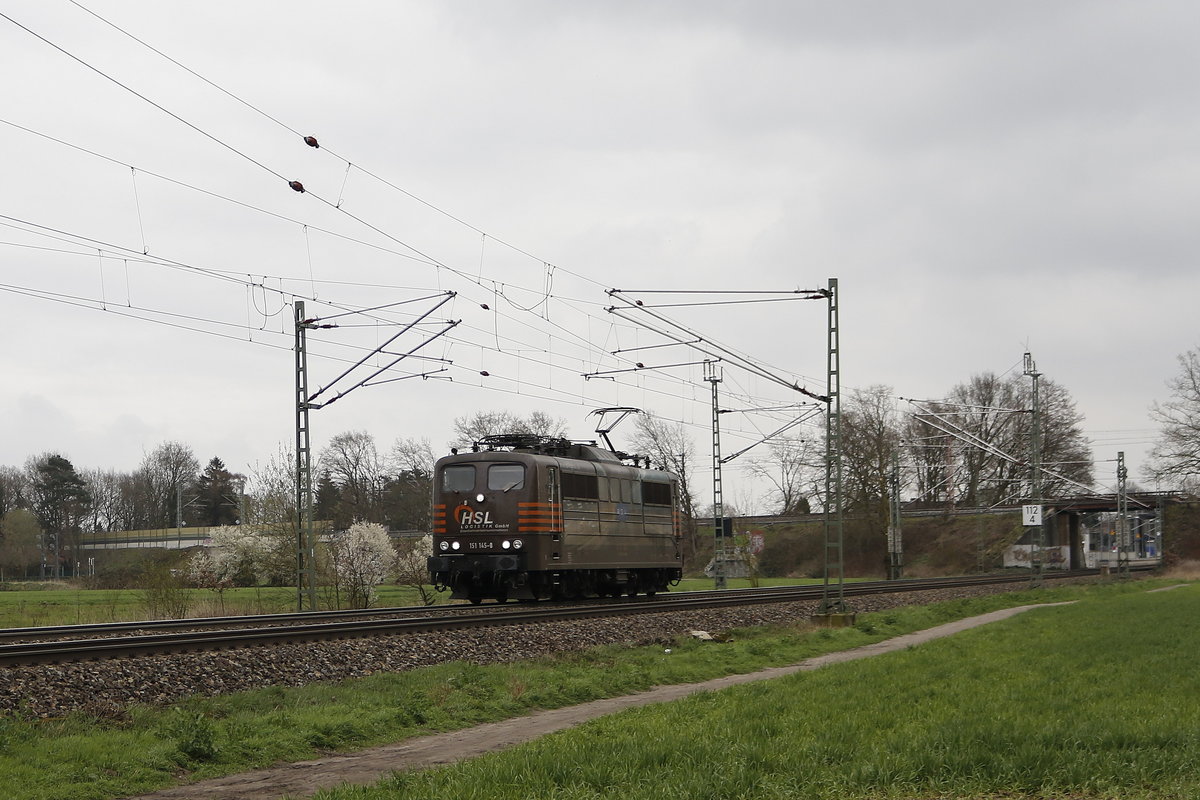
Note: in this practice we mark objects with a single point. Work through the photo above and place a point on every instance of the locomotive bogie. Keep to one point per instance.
(534, 525)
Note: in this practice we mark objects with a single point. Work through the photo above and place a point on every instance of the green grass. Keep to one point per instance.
(714, 745)
(1096, 700)
(62, 605)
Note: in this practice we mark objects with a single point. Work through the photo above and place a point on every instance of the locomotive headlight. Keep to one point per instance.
(479, 498)
(454, 545)
(517, 544)
(506, 544)
(444, 545)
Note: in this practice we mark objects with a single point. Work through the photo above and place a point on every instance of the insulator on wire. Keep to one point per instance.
(311, 141)
(297, 185)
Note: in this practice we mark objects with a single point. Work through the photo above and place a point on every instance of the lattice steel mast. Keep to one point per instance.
(833, 599)
(895, 539)
(712, 375)
(306, 579)
(1123, 537)
(1037, 539)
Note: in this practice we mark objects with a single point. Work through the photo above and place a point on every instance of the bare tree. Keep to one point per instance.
(270, 505)
(930, 456)
(412, 455)
(169, 474)
(1175, 457)
(669, 447)
(105, 488)
(19, 537)
(995, 414)
(353, 463)
(792, 468)
(870, 437)
(410, 485)
(14, 489)
(1066, 453)
(468, 430)
(987, 408)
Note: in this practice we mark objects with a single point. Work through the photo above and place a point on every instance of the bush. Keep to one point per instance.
(164, 595)
(194, 735)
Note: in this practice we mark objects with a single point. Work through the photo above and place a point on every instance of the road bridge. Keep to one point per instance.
(1081, 530)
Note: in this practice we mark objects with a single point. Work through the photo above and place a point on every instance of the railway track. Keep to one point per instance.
(62, 644)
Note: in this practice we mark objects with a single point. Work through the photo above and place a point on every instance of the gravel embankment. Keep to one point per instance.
(105, 688)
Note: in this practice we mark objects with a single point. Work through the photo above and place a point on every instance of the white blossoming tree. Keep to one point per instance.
(234, 557)
(362, 558)
(412, 568)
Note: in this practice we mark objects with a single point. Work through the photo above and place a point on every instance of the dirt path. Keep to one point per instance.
(368, 766)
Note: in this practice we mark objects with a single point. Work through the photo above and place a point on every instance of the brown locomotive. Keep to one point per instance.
(532, 517)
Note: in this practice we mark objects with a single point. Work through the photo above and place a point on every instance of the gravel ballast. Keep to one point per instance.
(105, 688)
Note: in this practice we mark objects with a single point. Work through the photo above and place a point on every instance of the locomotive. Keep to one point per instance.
(531, 517)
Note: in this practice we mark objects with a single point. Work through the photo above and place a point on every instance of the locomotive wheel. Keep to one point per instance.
(475, 599)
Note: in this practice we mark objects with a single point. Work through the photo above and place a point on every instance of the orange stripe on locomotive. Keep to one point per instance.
(539, 518)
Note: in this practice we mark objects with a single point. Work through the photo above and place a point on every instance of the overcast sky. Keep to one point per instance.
(982, 179)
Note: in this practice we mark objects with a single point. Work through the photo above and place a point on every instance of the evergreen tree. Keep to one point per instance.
(218, 493)
(60, 501)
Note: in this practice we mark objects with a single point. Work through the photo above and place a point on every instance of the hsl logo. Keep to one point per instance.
(467, 516)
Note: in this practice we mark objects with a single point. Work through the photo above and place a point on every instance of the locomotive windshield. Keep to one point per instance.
(458, 478)
(503, 477)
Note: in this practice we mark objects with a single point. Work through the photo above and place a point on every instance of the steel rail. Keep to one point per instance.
(290, 617)
(48, 652)
(92, 630)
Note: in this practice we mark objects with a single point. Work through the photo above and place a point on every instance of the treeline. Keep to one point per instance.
(969, 449)
(49, 504)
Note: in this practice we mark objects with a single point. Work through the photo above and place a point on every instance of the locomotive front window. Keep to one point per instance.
(459, 478)
(503, 477)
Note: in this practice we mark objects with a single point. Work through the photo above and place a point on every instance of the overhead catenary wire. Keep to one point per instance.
(306, 227)
(309, 140)
(722, 352)
(933, 419)
(562, 398)
(543, 302)
(141, 96)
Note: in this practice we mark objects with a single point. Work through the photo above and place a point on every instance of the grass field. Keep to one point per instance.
(1096, 700)
(1044, 705)
(59, 604)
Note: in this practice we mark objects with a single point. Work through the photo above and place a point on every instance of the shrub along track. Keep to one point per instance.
(157, 673)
